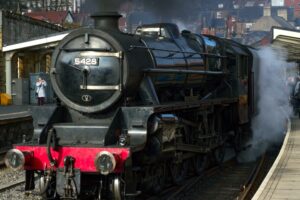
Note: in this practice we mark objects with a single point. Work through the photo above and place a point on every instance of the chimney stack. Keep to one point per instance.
(267, 11)
(107, 20)
(282, 13)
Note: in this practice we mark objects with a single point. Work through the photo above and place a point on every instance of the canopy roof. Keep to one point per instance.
(288, 39)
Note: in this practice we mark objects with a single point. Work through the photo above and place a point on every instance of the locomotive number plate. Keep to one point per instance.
(86, 61)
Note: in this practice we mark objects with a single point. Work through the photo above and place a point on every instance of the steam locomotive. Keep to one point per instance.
(137, 112)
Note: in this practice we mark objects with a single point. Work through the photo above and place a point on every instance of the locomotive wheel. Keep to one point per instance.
(179, 172)
(200, 163)
(158, 182)
(117, 188)
(237, 141)
(47, 190)
(219, 154)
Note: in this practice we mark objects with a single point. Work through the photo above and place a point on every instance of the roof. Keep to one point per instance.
(266, 23)
(289, 10)
(283, 22)
(27, 19)
(288, 39)
(254, 37)
(55, 17)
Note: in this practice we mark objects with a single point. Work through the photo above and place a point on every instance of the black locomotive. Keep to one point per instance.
(138, 111)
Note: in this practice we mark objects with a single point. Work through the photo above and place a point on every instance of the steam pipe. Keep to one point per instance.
(176, 51)
(182, 71)
(50, 135)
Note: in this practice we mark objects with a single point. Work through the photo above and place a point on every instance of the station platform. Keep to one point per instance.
(283, 179)
(14, 111)
(19, 111)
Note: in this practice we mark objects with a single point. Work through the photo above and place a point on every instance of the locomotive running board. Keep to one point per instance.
(193, 105)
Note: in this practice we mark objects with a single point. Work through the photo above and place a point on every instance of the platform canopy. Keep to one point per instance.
(37, 43)
(288, 39)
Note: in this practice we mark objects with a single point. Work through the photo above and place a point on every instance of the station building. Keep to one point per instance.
(18, 59)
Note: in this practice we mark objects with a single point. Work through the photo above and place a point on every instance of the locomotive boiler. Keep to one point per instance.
(137, 112)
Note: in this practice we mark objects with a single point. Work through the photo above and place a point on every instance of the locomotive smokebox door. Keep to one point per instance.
(68, 185)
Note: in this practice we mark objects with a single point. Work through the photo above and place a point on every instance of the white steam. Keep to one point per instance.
(273, 106)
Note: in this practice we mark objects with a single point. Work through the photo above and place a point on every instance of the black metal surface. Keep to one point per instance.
(112, 84)
(81, 134)
(188, 53)
(170, 60)
(61, 181)
(182, 71)
(111, 71)
(106, 20)
(43, 119)
(29, 180)
(68, 80)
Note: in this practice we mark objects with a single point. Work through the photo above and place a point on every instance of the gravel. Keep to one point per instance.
(16, 193)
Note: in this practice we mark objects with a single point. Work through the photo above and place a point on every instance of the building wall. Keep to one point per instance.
(19, 28)
(288, 3)
(37, 5)
(295, 4)
(15, 28)
(297, 8)
(277, 2)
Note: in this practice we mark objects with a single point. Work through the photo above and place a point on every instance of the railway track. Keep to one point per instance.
(15, 127)
(2, 156)
(232, 179)
(254, 182)
(9, 182)
(12, 185)
(11, 124)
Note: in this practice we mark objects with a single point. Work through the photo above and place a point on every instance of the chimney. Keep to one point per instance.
(267, 11)
(107, 20)
(282, 13)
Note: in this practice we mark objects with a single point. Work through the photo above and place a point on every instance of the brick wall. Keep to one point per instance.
(19, 28)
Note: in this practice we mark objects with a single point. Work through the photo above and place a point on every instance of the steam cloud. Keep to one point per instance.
(164, 10)
(92, 6)
(273, 103)
(172, 9)
(153, 11)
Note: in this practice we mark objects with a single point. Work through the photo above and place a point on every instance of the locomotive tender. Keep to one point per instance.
(137, 112)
